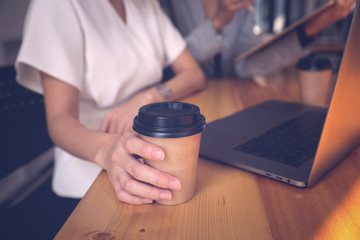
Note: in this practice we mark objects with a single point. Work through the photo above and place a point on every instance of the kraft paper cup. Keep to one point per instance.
(175, 127)
(315, 80)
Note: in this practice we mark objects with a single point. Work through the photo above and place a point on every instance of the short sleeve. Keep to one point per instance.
(52, 43)
(174, 44)
(204, 33)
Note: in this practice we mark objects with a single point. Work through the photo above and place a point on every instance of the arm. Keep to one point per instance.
(341, 9)
(188, 76)
(188, 79)
(112, 152)
(226, 11)
(289, 49)
(204, 41)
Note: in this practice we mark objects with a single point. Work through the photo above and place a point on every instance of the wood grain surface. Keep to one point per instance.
(230, 203)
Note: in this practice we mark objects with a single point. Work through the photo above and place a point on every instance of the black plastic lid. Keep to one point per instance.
(169, 120)
(313, 63)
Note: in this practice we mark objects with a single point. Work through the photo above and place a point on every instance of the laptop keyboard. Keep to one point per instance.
(292, 142)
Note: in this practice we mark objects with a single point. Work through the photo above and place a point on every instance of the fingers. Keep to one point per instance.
(113, 125)
(104, 125)
(135, 182)
(136, 145)
(144, 172)
(134, 191)
(109, 124)
(345, 2)
(235, 5)
(226, 12)
(126, 197)
(342, 9)
(126, 127)
(133, 187)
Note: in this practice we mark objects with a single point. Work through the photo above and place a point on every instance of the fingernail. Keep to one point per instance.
(165, 196)
(147, 200)
(174, 185)
(158, 155)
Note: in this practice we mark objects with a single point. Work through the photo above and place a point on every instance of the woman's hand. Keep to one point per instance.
(133, 181)
(341, 9)
(226, 11)
(120, 119)
(188, 79)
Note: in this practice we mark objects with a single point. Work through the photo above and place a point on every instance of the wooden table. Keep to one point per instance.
(230, 203)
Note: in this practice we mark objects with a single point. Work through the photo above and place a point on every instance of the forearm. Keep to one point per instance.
(188, 78)
(337, 12)
(69, 134)
(186, 83)
(64, 127)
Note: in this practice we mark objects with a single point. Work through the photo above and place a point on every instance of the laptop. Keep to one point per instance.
(259, 139)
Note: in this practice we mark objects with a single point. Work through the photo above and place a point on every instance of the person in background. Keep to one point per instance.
(97, 63)
(214, 28)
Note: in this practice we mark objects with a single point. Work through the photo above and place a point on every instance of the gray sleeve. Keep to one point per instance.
(204, 33)
(282, 53)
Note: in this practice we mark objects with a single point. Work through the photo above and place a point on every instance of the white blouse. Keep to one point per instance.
(87, 45)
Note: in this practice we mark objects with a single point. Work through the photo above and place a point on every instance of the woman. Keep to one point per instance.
(97, 62)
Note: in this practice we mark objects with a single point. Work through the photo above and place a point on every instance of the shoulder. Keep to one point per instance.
(52, 5)
(46, 11)
(52, 13)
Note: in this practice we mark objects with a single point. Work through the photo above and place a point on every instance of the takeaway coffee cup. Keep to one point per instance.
(175, 127)
(315, 75)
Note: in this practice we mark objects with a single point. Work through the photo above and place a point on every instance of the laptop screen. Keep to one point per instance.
(342, 127)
